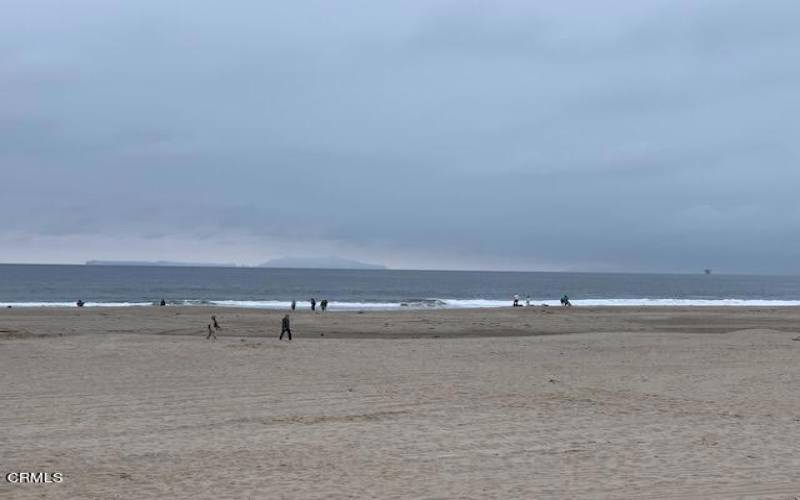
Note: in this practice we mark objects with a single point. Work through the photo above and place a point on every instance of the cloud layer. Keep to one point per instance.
(653, 135)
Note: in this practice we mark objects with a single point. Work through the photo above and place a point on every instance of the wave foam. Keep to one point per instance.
(436, 303)
(643, 302)
(72, 304)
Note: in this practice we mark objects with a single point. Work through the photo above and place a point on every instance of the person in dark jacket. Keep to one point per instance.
(211, 335)
(285, 328)
(313, 304)
(294, 305)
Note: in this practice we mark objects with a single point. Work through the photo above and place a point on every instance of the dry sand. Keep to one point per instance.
(514, 403)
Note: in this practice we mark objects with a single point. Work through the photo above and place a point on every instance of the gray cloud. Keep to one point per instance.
(656, 135)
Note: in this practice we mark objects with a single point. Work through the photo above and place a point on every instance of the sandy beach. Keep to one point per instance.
(642, 403)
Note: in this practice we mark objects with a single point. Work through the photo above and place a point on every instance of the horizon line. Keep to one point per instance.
(197, 265)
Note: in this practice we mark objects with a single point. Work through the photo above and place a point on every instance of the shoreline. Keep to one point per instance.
(441, 323)
(453, 305)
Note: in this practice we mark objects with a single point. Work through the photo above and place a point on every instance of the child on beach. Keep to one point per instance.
(211, 335)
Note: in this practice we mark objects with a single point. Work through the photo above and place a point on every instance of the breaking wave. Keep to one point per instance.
(434, 303)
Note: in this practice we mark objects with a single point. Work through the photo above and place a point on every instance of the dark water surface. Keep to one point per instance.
(36, 285)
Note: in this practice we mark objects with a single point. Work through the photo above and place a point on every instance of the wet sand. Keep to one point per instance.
(511, 403)
(520, 321)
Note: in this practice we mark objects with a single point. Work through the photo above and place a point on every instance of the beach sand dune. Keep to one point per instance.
(627, 403)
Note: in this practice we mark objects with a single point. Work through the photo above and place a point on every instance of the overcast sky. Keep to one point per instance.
(574, 135)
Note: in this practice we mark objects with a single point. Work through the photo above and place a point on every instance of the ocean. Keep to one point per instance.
(98, 286)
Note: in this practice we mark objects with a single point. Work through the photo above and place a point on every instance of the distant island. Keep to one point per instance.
(164, 263)
(319, 263)
(279, 263)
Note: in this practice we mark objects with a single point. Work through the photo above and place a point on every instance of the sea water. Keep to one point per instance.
(104, 286)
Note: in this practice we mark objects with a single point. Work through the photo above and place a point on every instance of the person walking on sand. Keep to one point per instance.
(285, 328)
(313, 304)
(294, 305)
(516, 301)
(211, 335)
(214, 321)
(324, 304)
